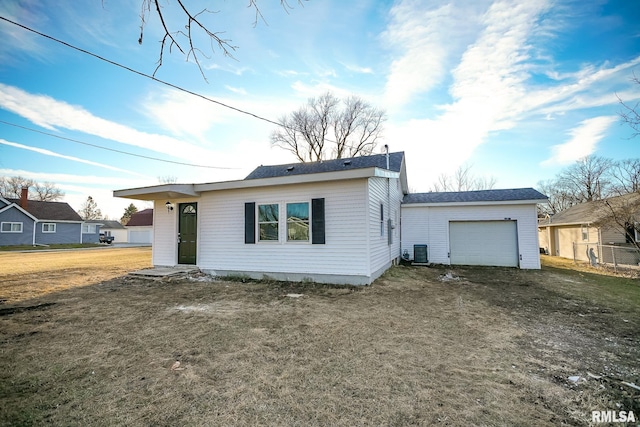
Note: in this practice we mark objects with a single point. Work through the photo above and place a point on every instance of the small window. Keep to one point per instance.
(298, 221)
(381, 219)
(585, 233)
(631, 233)
(88, 228)
(268, 222)
(189, 209)
(48, 227)
(11, 227)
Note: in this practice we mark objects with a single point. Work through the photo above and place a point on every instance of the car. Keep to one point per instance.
(106, 239)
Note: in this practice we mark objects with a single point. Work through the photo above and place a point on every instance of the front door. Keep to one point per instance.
(187, 233)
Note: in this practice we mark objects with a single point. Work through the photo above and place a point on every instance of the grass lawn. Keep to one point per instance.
(421, 346)
(49, 247)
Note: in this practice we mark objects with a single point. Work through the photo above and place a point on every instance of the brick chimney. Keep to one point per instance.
(24, 198)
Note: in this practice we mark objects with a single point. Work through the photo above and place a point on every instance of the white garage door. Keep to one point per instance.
(483, 243)
(140, 236)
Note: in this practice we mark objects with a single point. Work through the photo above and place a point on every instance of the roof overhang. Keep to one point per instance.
(157, 192)
(181, 191)
(482, 203)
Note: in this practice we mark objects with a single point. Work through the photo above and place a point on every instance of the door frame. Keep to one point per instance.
(181, 206)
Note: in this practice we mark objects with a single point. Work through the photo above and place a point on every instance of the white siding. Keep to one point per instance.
(221, 245)
(430, 226)
(385, 192)
(165, 235)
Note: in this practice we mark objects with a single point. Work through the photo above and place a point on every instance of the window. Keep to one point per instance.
(11, 227)
(88, 228)
(631, 233)
(268, 222)
(585, 233)
(48, 227)
(298, 221)
(381, 219)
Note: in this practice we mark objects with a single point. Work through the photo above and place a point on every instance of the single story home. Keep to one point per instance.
(111, 228)
(32, 222)
(140, 227)
(333, 221)
(587, 224)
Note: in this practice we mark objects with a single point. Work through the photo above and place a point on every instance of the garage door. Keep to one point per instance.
(483, 243)
(140, 236)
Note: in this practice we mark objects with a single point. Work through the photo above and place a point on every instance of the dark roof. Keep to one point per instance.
(512, 194)
(106, 223)
(49, 211)
(376, 160)
(141, 218)
(596, 210)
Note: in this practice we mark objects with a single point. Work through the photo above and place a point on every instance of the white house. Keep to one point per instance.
(335, 221)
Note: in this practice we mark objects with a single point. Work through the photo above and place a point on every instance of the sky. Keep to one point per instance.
(516, 89)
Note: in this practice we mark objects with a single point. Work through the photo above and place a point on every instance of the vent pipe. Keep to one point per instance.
(386, 148)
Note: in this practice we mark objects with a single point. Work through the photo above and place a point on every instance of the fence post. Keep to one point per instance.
(573, 245)
(613, 256)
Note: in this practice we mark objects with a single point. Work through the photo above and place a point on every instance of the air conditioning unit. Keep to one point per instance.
(420, 254)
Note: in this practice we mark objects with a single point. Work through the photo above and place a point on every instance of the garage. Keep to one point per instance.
(492, 243)
(141, 236)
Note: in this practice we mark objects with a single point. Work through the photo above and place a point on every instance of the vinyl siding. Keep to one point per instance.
(430, 226)
(164, 247)
(221, 224)
(388, 193)
(24, 238)
(65, 233)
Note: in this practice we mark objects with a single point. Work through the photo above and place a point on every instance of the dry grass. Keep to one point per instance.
(26, 275)
(422, 346)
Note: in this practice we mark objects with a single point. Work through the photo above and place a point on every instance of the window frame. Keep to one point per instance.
(307, 221)
(49, 225)
(89, 227)
(11, 224)
(584, 231)
(276, 222)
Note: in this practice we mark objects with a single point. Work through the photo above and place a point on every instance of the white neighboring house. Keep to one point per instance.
(112, 228)
(140, 227)
(335, 221)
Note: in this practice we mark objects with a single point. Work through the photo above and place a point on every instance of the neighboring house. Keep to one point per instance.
(334, 221)
(31, 222)
(586, 224)
(140, 227)
(112, 228)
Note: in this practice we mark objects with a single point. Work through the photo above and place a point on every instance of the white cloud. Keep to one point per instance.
(63, 156)
(583, 141)
(50, 113)
(238, 90)
(358, 69)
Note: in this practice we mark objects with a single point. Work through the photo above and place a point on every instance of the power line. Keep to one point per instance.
(140, 73)
(112, 149)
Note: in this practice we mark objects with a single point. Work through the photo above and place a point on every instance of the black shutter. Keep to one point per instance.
(250, 222)
(317, 221)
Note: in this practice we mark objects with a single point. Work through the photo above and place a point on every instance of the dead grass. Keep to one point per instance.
(422, 346)
(26, 275)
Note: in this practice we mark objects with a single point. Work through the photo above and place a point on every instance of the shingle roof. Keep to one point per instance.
(596, 210)
(512, 194)
(51, 211)
(109, 224)
(141, 218)
(377, 160)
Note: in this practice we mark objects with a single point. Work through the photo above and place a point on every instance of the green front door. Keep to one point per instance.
(187, 233)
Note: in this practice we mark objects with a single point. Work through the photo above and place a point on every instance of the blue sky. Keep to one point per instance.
(517, 89)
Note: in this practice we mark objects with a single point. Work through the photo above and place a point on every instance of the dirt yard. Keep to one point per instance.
(421, 346)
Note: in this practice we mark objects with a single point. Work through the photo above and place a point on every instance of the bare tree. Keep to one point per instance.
(463, 179)
(194, 25)
(11, 187)
(630, 114)
(559, 198)
(167, 179)
(587, 179)
(327, 127)
(625, 176)
(622, 214)
(89, 210)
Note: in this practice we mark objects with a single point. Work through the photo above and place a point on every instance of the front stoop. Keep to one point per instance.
(165, 271)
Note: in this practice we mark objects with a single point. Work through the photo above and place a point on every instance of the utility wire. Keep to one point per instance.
(112, 149)
(141, 73)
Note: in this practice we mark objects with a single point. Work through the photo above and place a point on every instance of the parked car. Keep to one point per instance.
(106, 239)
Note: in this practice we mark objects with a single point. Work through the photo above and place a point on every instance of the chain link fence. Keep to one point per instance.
(611, 255)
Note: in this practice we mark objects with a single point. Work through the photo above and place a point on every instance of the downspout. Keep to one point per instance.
(389, 230)
(35, 225)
